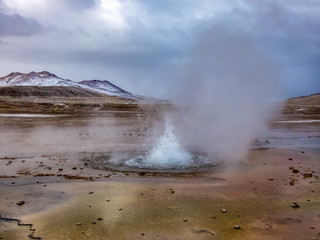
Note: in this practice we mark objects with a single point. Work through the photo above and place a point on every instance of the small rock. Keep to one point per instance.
(307, 175)
(236, 227)
(185, 220)
(90, 193)
(120, 209)
(79, 223)
(142, 234)
(20, 203)
(100, 219)
(292, 182)
(295, 205)
(224, 210)
(295, 171)
(290, 159)
(93, 223)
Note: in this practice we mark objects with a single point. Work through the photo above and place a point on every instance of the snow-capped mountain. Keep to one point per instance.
(45, 78)
(104, 86)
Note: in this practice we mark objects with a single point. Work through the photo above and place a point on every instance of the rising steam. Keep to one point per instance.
(224, 93)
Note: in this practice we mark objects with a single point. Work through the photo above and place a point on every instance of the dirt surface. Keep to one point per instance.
(50, 188)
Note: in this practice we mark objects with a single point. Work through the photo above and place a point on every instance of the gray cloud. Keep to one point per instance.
(138, 42)
(16, 25)
(292, 38)
(81, 4)
(289, 36)
(3, 42)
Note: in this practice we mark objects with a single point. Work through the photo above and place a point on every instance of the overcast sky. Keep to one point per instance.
(137, 44)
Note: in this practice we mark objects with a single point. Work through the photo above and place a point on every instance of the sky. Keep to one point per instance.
(138, 44)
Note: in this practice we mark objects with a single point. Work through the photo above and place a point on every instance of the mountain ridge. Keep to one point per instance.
(45, 78)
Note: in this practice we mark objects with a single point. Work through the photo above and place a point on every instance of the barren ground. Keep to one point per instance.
(45, 161)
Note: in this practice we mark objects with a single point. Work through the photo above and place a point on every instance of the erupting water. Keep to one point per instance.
(166, 153)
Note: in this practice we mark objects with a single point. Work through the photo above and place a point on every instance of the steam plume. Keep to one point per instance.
(224, 91)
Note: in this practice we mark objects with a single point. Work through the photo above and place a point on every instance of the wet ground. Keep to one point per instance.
(52, 178)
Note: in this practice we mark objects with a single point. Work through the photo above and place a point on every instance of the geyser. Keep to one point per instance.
(167, 153)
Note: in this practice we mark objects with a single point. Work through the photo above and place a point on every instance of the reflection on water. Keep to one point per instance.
(291, 134)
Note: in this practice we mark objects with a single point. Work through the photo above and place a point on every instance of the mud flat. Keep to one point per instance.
(48, 182)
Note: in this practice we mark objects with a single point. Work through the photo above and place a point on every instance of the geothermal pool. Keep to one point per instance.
(165, 154)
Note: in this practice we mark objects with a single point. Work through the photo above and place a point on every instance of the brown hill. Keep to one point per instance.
(52, 91)
(303, 107)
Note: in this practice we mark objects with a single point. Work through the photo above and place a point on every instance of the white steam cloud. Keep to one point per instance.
(224, 93)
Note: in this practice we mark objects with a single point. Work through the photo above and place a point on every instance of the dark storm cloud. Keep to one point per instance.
(293, 38)
(290, 37)
(16, 25)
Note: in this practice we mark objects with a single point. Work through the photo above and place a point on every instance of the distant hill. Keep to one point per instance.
(303, 107)
(52, 91)
(47, 79)
(305, 100)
